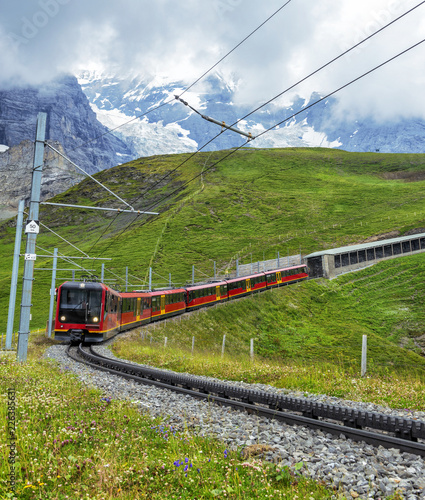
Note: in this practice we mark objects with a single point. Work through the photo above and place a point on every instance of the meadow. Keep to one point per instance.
(71, 441)
(75, 442)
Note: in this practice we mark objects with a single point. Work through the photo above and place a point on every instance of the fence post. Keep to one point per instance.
(251, 351)
(193, 344)
(364, 355)
(222, 347)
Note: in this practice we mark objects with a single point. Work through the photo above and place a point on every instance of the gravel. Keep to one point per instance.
(358, 470)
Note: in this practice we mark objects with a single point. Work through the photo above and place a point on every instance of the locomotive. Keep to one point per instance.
(93, 312)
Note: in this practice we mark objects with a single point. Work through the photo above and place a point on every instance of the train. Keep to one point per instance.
(92, 312)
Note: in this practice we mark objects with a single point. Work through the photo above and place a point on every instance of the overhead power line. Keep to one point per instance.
(279, 95)
(155, 108)
(269, 130)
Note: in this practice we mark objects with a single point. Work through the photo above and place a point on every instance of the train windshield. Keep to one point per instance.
(80, 305)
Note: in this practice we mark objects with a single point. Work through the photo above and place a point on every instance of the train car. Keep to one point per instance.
(238, 287)
(167, 303)
(205, 295)
(87, 312)
(136, 309)
(283, 276)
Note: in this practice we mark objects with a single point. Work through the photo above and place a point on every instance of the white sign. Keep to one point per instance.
(32, 226)
(30, 256)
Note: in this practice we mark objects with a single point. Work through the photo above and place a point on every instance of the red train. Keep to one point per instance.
(92, 312)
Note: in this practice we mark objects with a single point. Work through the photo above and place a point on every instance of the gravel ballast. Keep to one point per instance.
(358, 469)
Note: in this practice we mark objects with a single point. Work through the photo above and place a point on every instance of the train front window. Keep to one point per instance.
(79, 305)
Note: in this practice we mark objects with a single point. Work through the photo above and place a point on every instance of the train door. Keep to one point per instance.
(162, 304)
(138, 308)
(217, 292)
(119, 309)
(279, 277)
(248, 285)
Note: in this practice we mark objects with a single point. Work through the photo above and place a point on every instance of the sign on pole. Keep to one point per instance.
(32, 226)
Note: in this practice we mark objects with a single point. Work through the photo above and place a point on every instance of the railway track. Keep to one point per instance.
(373, 428)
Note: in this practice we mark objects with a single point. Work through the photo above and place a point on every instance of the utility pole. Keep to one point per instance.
(31, 230)
(15, 270)
(52, 292)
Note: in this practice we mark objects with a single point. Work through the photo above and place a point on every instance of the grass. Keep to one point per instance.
(334, 379)
(253, 204)
(76, 442)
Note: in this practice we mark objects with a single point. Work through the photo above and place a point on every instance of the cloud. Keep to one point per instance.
(180, 40)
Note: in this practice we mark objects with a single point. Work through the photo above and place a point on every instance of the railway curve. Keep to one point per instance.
(406, 435)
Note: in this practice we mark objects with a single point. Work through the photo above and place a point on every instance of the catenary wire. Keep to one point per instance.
(279, 95)
(190, 86)
(266, 131)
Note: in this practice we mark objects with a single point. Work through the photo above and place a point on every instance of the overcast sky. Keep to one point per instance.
(182, 39)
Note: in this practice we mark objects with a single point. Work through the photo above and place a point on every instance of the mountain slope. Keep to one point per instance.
(248, 206)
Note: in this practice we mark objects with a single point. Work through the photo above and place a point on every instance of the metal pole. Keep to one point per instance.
(126, 279)
(278, 260)
(150, 279)
(169, 279)
(215, 271)
(193, 344)
(251, 351)
(15, 270)
(52, 292)
(364, 355)
(222, 347)
(24, 323)
(193, 274)
(102, 273)
(73, 274)
(237, 268)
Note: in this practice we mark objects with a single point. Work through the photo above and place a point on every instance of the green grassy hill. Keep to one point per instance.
(253, 202)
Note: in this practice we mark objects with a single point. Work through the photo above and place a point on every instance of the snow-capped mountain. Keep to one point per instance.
(160, 124)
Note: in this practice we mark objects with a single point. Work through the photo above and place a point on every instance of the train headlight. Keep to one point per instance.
(63, 319)
(95, 319)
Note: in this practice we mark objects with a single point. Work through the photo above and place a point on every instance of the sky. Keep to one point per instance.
(180, 40)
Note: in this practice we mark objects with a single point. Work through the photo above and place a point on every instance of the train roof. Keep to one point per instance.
(205, 285)
(87, 285)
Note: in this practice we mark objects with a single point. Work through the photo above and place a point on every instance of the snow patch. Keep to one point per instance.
(3, 148)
